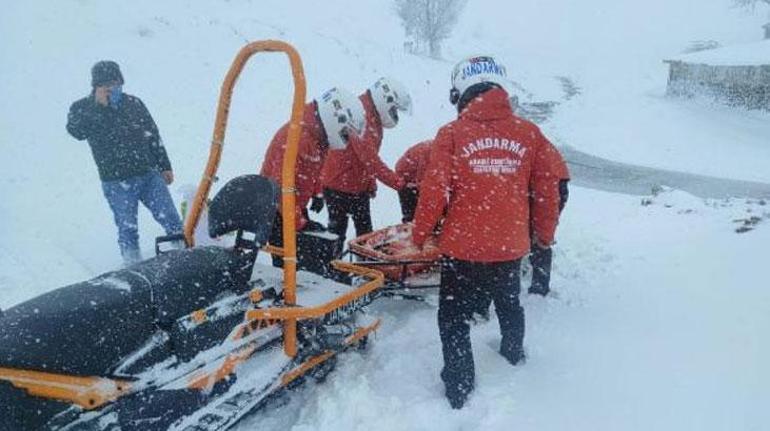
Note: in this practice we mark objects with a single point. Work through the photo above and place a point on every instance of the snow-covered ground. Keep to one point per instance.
(661, 310)
(657, 322)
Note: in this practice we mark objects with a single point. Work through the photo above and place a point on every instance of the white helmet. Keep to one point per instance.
(389, 97)
(340, 112)
(475, 70)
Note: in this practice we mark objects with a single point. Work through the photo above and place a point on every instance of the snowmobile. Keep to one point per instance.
(194, 338)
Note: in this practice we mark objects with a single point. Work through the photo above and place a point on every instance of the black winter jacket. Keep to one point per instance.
(124, 141)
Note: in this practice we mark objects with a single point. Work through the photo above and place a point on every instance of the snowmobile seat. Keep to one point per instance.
(88, 328)
(80, 329)
(187, 280)
(192, 279)
(247, 203)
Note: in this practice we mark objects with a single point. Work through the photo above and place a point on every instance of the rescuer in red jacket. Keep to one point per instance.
(411, 168)
(483, 168)
(349, 176)
(328, 123)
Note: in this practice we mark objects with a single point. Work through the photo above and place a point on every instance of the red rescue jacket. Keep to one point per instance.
(310, 157)
(482, 169)
(355, 169)
(559, 166)
(411, 166)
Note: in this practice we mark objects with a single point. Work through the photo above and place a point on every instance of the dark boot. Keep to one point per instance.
(456, 398)
(457, 388)
(540, 258)
(512, 352)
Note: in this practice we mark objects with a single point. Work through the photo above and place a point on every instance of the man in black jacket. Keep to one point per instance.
(132, 163)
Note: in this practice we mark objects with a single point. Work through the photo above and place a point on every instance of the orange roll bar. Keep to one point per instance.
(87, 392)
(301, 313)
(288, 191)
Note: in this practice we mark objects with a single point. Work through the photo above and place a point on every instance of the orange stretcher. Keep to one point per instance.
(391, 251)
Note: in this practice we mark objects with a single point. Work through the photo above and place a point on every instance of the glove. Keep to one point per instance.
(317, 204)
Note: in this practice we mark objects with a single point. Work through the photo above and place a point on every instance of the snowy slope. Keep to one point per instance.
(659, 314)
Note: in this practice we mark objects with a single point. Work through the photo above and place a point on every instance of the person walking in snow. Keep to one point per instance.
(411, 168)
(332, 122)
(483, 168)
(129, 154)
(349, 175)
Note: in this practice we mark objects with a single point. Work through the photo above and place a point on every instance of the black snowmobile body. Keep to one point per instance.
(95, 328)
(155, 346)
(120, 325)
(89, 328)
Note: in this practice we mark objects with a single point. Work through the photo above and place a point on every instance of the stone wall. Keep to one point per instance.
(747, 86)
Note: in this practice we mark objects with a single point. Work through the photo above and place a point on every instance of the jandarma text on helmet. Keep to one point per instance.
(482, 67)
